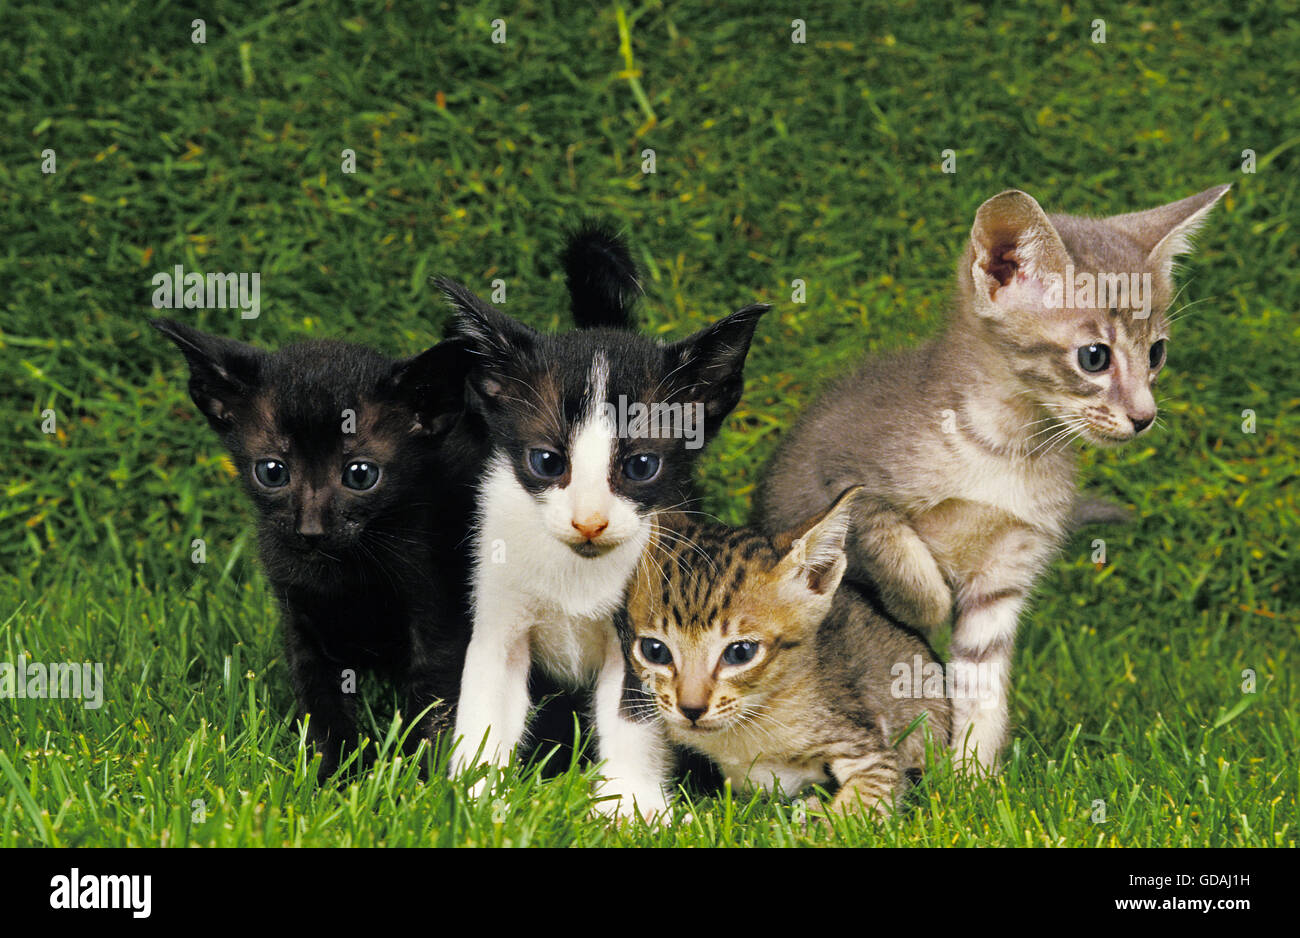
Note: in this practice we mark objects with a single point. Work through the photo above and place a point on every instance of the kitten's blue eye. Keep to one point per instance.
(361, 475)
(740, 652)
(546, 463)
(1094, 358)
(271, 473)
(655, 651)
(642, 467)
(1157, 354)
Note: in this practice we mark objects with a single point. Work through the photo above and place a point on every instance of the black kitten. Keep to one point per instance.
(362, 469)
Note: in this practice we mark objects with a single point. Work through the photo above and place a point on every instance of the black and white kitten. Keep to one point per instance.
(567, 503)
(362, 470)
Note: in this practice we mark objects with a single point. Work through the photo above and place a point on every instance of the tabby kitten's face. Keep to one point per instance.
(735, 620)
(1079, 306)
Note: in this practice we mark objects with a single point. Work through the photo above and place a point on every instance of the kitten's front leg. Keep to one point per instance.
(868, 783)
(983, 640)
(630, 740)
(432, 685)
(886, 551)
(493, 706)
(318, 686)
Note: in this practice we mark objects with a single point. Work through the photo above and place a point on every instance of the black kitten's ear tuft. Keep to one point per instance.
(224, 374)
(603, 280)
(432, 384)
(711, 363)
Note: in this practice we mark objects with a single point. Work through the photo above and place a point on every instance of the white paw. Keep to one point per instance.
(461, 765)
(652, 806)
(974, 758)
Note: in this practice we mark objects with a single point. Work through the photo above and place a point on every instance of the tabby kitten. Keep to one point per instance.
(756, 656)
(567, 503)
(361, 469)
(961, 444)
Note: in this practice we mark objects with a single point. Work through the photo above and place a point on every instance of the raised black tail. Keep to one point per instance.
(602, 278)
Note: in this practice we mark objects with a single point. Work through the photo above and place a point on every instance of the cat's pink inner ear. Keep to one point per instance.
(1019, 290)
(1016, 251)
(1007, 282)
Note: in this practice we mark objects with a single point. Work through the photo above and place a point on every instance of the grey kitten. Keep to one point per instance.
(1058, 331)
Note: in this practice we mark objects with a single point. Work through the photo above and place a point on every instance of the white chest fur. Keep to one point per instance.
(539, 601)
(565, 601)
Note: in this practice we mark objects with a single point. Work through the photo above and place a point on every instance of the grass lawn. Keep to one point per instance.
(775, 161)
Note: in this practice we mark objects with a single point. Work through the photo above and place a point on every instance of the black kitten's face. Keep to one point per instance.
(593, 431)
(327, 461)
(335, 444)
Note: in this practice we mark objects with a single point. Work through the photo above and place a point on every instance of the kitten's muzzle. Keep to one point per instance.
(590, 549)
(692, 713)
(590, 529)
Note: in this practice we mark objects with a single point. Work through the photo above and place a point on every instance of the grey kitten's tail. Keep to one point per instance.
(602, 278)
(1086, 511)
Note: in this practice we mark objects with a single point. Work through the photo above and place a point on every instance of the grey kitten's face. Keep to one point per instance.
(1090, 362)
(1109, 370)
(1079, 307)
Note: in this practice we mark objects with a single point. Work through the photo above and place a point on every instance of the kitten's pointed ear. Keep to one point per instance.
(1166, 231)
(224, 374)
(709, 367)
(1015, 255)
(492, 337)
(432, 384)
(815, 559)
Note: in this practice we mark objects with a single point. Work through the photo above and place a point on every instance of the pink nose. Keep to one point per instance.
(591, 527)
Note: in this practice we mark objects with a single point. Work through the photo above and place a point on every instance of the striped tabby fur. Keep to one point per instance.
(962, 444)
(813, 703)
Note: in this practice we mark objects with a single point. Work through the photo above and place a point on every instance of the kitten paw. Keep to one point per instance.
(975, 750)
(973, 768)
(879, 808)
(653, 808)
(926, 603)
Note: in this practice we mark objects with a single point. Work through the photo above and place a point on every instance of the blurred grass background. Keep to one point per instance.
(775, 161)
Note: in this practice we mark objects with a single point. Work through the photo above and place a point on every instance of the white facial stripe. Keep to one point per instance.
(588, 508)
(597, 383)
(591, 449)
(589, 458)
